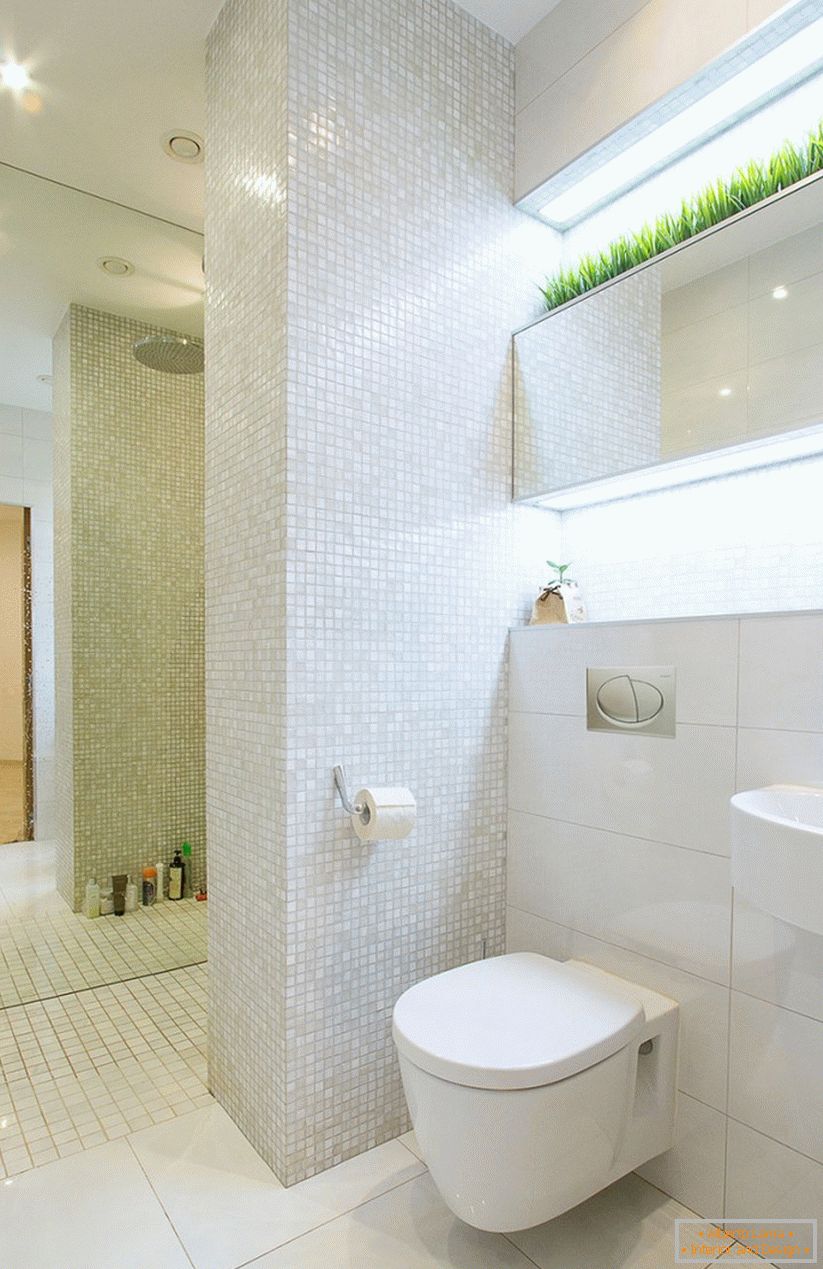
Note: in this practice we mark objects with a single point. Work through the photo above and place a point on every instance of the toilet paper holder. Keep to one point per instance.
(353, 808)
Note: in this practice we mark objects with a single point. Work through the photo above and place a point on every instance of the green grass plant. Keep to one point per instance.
(716, 202)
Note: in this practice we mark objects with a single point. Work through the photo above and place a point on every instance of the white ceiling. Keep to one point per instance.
(511, 18)
(112, 78)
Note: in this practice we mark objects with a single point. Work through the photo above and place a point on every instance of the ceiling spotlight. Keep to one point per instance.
(780, 293)
(45, 379)
(14, 75)
(186, 147)
(725, 392)
(115, 266)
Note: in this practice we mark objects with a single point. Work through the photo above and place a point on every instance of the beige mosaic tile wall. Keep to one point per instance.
(129, 604)
(365, 269)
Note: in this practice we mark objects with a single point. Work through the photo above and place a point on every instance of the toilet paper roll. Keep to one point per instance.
(390, 814)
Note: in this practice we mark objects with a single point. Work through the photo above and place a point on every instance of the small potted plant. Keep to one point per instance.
(559, 601)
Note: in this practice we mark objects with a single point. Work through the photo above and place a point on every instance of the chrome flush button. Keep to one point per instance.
(631, 698)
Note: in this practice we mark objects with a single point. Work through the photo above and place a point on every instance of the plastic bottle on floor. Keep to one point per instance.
(91, 906)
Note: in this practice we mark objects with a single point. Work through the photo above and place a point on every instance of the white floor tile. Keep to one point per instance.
(408, 1228)
(628, 1226)
(93, 1211)
(228, 1206)
(692, 1171)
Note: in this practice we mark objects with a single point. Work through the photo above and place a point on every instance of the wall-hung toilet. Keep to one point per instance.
(533, 1083)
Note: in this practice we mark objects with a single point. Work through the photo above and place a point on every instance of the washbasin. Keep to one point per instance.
(777, 852)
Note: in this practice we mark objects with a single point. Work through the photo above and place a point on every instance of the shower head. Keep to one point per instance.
(173, 354)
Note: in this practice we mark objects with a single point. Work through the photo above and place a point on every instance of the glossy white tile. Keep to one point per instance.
(661, 901)
(528, 933)
(781, 326)
(548, 664)
(776, 1073)
(408, 1228)
(692, 1171)
(11, 420)
(781, 672)
(784, 391)
(11, 455)
(706, 296)
(704, 1008)
(789, 260)
(778, 757)
(705, 349)
(775, 961)
(95, 1210)
(630, 1225)
(645, 786)
(770, 1181)
(205, 1172)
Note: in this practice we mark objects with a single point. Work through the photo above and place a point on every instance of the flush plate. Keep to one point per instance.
(638, 698)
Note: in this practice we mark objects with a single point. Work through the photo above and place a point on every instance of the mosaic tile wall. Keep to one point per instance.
(129, 604)
(587, 388)
(365, 269)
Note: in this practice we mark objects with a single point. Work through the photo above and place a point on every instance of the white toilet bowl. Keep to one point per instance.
(526, 1085)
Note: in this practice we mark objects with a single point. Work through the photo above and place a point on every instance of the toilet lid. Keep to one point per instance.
(516, 1021)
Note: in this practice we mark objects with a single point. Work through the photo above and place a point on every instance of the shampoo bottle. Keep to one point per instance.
(149, 886)
(176, 877)
(131, 896)
(161, 880)
(92, 904)
(188, 871)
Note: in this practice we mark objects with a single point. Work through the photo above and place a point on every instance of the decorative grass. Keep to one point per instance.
(723, 198)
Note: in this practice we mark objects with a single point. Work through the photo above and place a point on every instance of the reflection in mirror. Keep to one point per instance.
(101, 574)
(711, 348)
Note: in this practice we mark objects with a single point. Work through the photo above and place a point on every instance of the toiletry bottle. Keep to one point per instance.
(131, 895)
(188, 871)
(161, 880)
(118, 884)
(106, 899)
(149, 886)
(92, 904)
(176, 877)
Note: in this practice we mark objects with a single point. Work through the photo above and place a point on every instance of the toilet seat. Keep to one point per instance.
(514, 1022)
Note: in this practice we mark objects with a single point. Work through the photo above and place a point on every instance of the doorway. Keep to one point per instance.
(16, 766)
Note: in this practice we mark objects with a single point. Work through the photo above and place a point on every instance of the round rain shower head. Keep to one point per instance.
(173, 354)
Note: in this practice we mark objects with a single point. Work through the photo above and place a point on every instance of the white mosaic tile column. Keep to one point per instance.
(365, 270)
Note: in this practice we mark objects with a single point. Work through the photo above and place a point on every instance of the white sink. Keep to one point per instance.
(777, 852)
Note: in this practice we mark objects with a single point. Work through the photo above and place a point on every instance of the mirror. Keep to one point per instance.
(101, 574)
(712, 348)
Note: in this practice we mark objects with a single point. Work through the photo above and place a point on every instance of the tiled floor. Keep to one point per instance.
(192, 1192)
(48, 950)
(79, 1070)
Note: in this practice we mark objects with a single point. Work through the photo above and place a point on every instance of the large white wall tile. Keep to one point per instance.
(11, 420)
(776, 1073)
(692, 1171)
(646, 786)
(548, 664)
(11, 455)
(703, 1011)
(781, 672)
(662, 901)
(778, 757)
(776, 961)
(769, 1181)
(526, 932)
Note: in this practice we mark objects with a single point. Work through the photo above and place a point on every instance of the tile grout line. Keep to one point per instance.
(160, 1202)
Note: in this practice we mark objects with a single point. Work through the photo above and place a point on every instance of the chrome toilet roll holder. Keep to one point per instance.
(353, 808)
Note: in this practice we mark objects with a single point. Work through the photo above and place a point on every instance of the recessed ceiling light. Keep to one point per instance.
(186, 147)
(115, 266)
(780, 293)
(14, 75)
(725, 392)
(44, 379)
